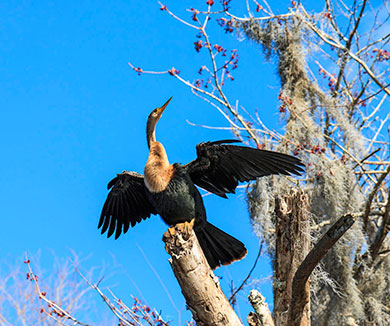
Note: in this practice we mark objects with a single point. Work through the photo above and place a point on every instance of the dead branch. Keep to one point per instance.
(249, 274)
(332, 42)
(382, 231)
(263, 315)
(372, 195)
(298, 298)
(200, 287)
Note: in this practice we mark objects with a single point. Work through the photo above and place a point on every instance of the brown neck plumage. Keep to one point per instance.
(158, 172)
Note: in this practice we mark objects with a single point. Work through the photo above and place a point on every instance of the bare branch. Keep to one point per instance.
(57, 310)
(329, 40)
(371, 196)
(163, 7)
(249, 274)
(382, 231)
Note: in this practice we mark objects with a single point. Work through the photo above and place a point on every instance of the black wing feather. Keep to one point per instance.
(126, 204)
(219, 168)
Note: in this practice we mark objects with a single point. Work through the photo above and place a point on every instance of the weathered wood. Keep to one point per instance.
(262, 316)
(253, 319)
(292, 246)
(199, 285)
(298, 299)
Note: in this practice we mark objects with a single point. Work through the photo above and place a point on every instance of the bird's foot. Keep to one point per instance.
(184, 228)
(170, 232)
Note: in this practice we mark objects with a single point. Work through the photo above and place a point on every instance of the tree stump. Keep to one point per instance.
(199, 285)
(292, 246)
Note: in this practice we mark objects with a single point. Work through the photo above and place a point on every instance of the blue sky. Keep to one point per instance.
(74, 114)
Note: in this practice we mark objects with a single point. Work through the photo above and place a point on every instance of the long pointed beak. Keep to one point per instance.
(161, 109)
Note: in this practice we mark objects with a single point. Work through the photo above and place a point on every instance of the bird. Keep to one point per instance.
(170, 190)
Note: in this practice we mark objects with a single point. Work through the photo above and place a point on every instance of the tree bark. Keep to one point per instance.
(262, 315)
(299, 300)
(294, 261)
(292, 246)
(199, 285)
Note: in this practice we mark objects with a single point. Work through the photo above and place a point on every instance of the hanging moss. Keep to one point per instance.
(339, 298)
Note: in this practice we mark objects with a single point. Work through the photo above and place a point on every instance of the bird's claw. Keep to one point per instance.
(191, 224)
(170, 232)
(184, 228)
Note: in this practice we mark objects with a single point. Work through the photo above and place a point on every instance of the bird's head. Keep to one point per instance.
(153, 118)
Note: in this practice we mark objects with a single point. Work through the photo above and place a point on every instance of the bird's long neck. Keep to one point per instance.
(158, 172)
(151, 132)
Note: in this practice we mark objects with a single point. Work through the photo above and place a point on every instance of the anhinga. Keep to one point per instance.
(169, 189)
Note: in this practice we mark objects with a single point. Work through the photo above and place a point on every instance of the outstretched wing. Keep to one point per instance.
(219, 168)
(126, 204)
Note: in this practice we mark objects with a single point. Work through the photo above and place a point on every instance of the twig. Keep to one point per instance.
(159, 278)
(139, 70)
(366, 157)
(350, 155)
(42, 296)
(382, 231)
(348, 46)
(370, 172)
(319, 226)
(377, 132)
(177, 18)
(116, 312)
(249, 274)
(374, 111)
(283, 16)
(371, 197)
(329, 40)
(221, 93)
(5, 321)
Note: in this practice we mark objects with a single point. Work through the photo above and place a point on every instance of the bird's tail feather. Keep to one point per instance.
(219, 247)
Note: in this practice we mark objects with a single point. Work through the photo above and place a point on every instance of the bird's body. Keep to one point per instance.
(169, 189)
(180, 201)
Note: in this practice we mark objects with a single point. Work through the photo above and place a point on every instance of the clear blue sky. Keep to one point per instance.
(73, 115)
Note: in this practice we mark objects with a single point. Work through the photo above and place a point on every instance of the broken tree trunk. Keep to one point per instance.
(298, 298)
(292, 246)
(199, 285)
(294, 262)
